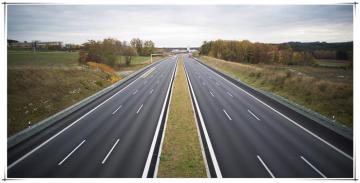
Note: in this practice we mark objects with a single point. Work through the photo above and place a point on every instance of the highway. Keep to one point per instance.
(114, 137)
(245, 134)
(247, 137)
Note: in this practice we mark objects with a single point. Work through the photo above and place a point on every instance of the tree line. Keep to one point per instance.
(324, 50)
(108, 50)
(286, 53)
(248, 52)
(143, 48)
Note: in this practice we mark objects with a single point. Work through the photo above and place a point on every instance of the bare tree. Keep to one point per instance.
(128, 52)
(137, 44)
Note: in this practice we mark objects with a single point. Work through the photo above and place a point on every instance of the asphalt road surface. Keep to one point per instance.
(114, 138)
(244, 134)
(246, 137)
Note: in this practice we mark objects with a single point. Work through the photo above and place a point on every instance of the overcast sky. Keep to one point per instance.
(181, 26)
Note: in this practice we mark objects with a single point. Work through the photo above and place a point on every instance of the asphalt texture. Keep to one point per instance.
(250, 139)
(251, 135)
(113, 140)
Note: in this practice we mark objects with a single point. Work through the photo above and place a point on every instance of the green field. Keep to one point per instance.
(135, 60)
(328, 91)
(27, 58)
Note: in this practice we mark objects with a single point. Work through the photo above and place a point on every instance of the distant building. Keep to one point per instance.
(36, 44)
(20, 45)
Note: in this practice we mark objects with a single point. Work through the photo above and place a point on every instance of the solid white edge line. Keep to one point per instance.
(312, 166)
(292, 121)
(163, 134)
(60, 132)
(148, 72)
(267, 169)
(66, 157)
(253, 115)
(227, 115)
(117, 109)
(108, 154)
(137, 112)
(208, 142)
(152, 148)
(199, 134)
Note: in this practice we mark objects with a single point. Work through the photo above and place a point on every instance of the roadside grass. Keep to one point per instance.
(107, 69)
(328, 91)
(36, 93)
(181, 154)
(41, 84)
(333, 63)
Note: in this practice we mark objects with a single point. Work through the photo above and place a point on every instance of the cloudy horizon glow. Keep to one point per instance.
(181, 26)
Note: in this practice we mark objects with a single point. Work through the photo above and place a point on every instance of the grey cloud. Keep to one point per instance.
(181, 25)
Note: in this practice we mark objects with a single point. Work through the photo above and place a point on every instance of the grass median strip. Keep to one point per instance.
(181, 154)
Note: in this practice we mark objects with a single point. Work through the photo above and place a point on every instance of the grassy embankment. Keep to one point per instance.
(328, 91)
(41, 84)
(181, 153)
